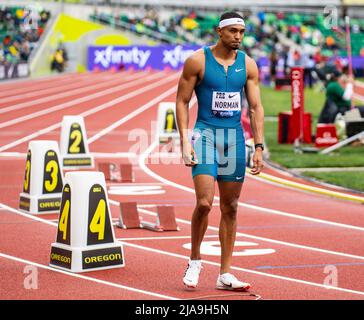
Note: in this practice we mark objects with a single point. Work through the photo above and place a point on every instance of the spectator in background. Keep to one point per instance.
(22, 27)
(297, 58)
(273, 67)
(285, 60)
(337, 61)
(2, 53)
(330, 43)
(309, 65)
(339, 91)
(318, 56)
(59, 59)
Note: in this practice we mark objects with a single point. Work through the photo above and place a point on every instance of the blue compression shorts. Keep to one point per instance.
(220, 152)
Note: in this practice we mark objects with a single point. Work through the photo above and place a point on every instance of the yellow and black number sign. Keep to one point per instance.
(170, 122)
(26, 186)
(52, 182)
(76, 143)
(64, 223)
(99, 224)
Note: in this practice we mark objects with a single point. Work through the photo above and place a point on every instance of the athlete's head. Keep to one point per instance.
(231, 29)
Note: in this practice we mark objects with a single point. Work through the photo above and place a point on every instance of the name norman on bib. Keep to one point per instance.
(225, 103)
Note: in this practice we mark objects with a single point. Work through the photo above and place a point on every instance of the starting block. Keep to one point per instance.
(166, 220)
(125, 173)
(129, 217)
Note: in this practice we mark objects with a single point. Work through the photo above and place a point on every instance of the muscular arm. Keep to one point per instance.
(186, 85)
(256, 111)
(185, 89)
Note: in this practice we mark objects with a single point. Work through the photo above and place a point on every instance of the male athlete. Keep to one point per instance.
(218, 75)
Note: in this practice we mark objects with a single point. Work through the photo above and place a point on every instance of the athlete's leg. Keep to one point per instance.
(229, 197)
(205, 189)
(230, 180)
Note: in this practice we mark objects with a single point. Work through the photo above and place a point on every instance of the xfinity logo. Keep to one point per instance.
(109, 56)
(176, 56)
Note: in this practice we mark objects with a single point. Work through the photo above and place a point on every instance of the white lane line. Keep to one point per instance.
(13, 154)
(284, 243)
(91, 111)
(266, 239)
(204, 261)
(163, 238)
(83, 277)
(116, 155)
(81, 83)
(253, 207)
(73, 102)
(38, 219)
(64, 94)
(131, 115)
(247, 270)
(32, 84)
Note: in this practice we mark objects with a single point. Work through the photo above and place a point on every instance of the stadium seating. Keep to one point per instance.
(20, 30)
(302, 29)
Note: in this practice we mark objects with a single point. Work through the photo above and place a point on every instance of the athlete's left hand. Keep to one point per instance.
(257, 162)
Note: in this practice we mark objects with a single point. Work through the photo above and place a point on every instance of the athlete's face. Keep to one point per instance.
(231, 36)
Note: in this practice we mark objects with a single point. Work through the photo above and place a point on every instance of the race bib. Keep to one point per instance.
(224, 104)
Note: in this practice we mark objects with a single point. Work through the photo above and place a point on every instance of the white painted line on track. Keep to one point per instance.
(314, 284)
(245, 205)
(83, 277)
(284, 243)
(89, 112)
(133, 114)
(81, 83)
(204, 261)
(71, 103)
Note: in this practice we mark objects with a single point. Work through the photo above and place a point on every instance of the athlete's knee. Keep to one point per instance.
(203, 207)
(229, 209)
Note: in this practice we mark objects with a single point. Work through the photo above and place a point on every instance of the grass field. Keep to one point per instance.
(283, 154)
(278, 101)
(352, 180)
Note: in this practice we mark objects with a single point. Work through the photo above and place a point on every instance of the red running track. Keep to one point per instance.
(289, 245)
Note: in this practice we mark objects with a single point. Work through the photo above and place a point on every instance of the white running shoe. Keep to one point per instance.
(227, 281)
(192, 273)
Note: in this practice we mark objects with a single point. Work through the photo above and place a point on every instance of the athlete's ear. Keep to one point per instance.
(219, 32)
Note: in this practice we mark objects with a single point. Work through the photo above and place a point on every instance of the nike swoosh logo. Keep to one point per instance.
(238, 70)
(232, 96)
(239, 178)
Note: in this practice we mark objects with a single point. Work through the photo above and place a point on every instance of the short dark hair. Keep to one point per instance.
(229, 15)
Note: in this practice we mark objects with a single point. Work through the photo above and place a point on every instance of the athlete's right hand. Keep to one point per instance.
(188, 154)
